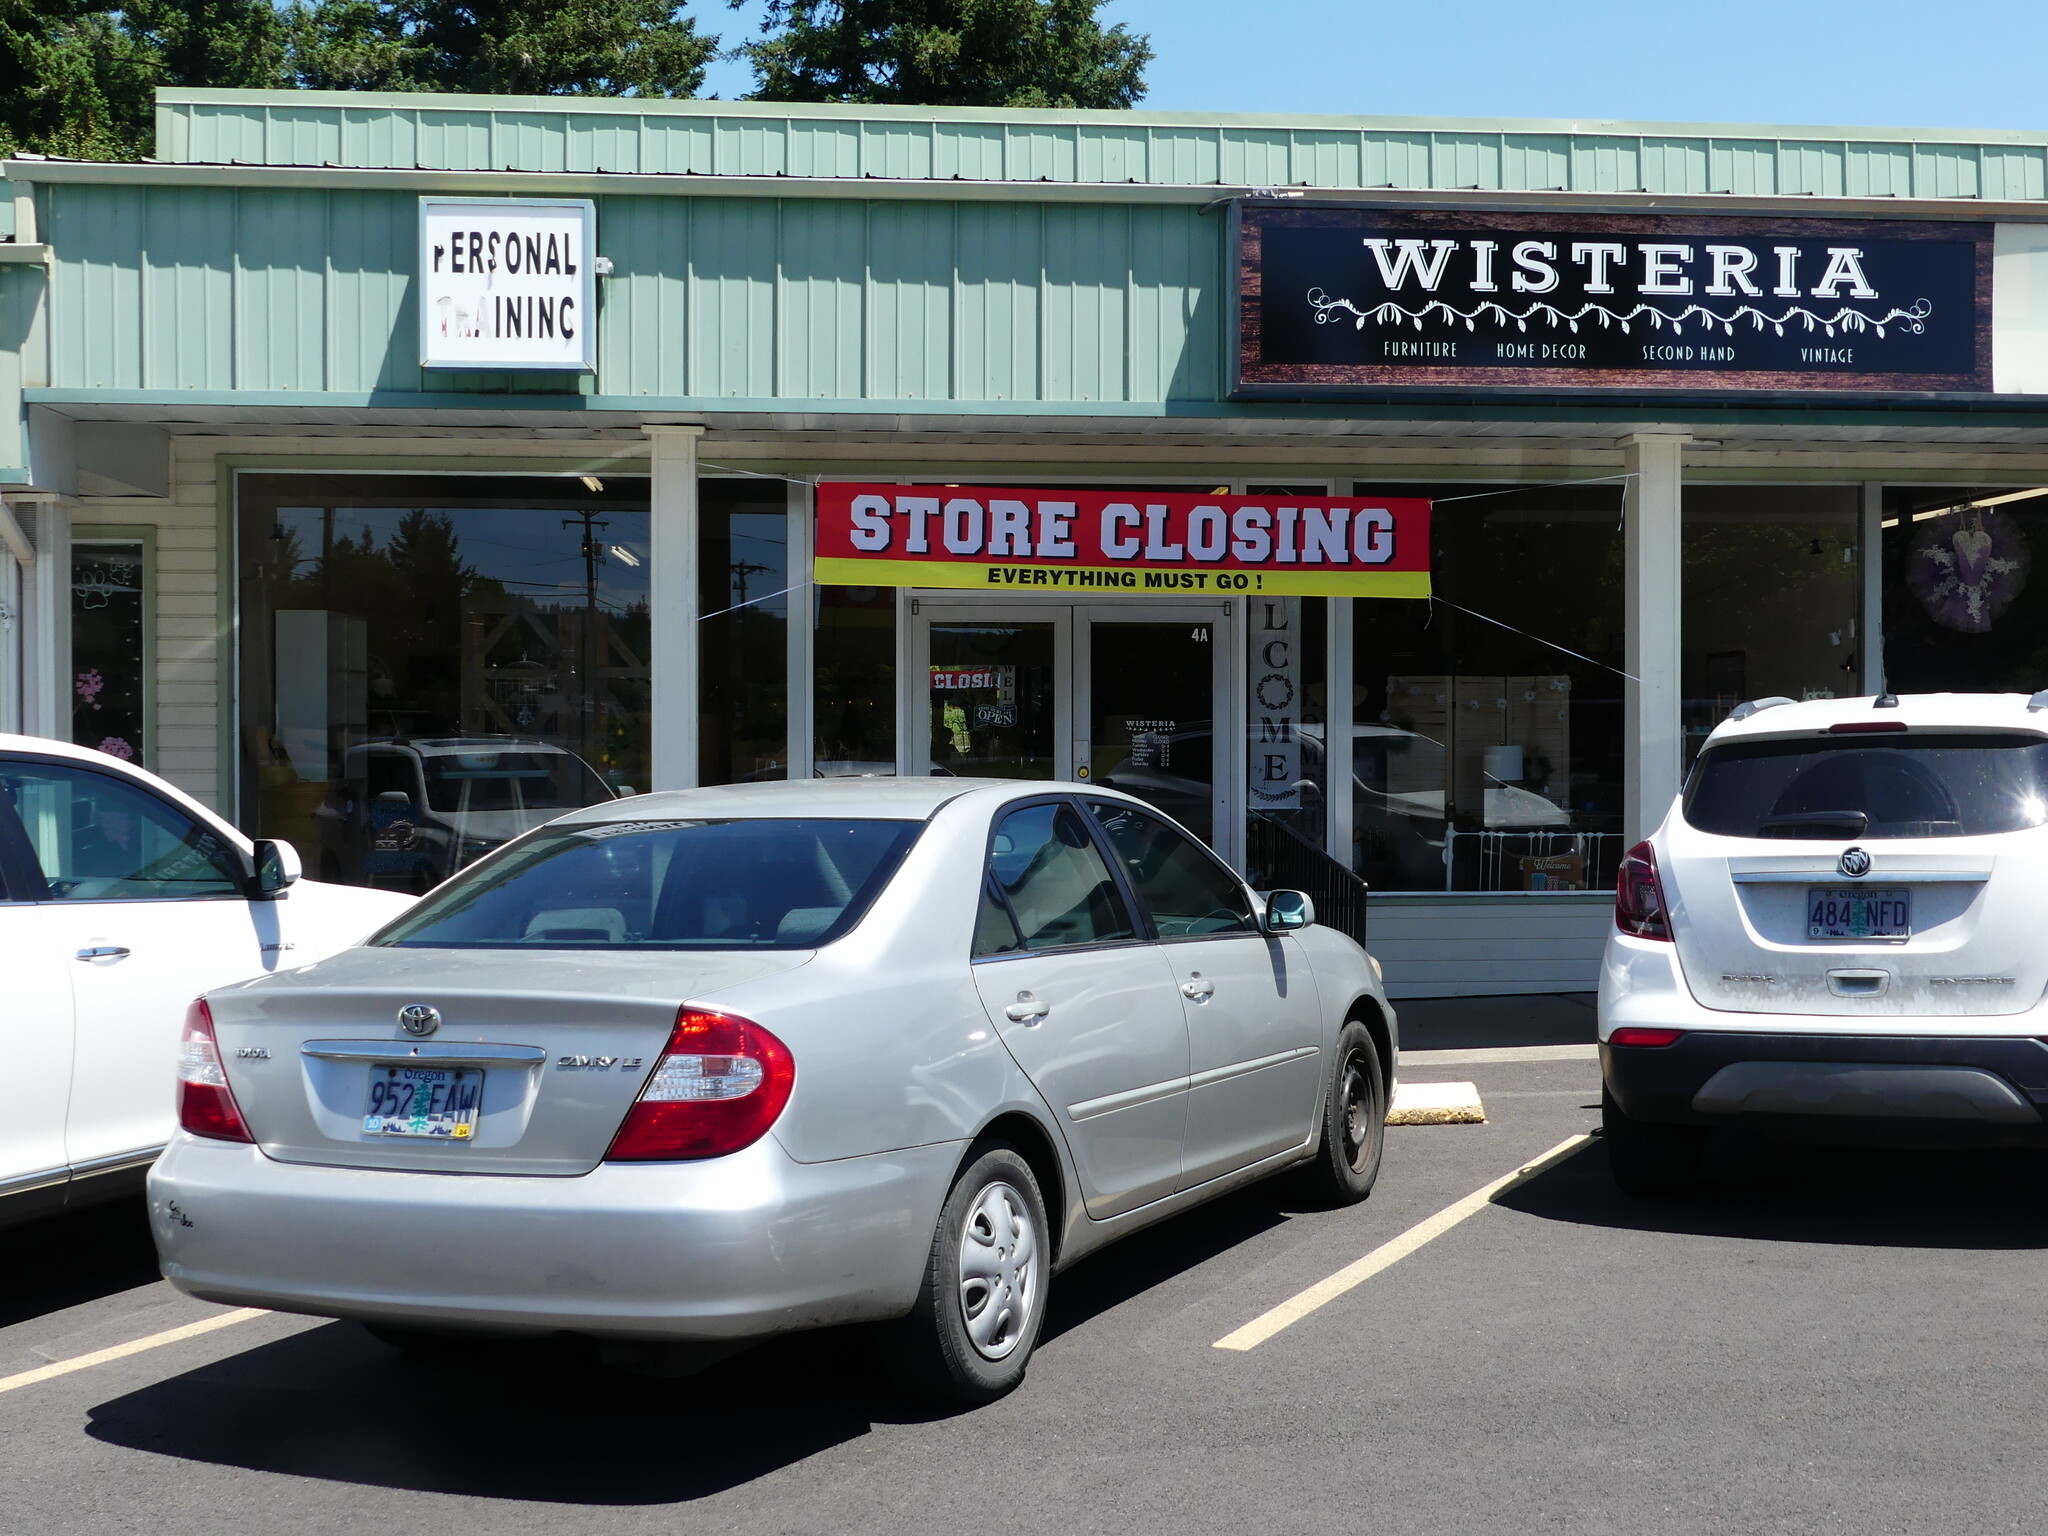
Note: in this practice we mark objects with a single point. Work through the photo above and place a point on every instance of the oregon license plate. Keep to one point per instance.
(1833, 913)
(438, 1103)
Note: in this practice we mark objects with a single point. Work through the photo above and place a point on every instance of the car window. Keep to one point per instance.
(511, 781)
(1188, 892)
(99, 838)
(1051, 883)
(763, 883)
(1919, 784)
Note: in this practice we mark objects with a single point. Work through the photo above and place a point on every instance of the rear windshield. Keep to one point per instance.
(511, 781)
(754, 884)
(1917, 785)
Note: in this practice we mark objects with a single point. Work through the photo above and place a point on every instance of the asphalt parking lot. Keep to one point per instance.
(1822, 1340)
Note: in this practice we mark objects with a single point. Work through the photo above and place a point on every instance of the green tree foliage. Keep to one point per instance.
(503, 47)
(961, 53)
(79, 78)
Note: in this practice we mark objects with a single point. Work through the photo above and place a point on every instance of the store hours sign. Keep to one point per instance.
(508, 283)
(1339, 299)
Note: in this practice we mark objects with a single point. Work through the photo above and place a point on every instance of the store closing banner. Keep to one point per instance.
(1126, 541)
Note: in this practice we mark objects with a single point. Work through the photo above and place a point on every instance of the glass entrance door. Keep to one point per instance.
(1126, 696)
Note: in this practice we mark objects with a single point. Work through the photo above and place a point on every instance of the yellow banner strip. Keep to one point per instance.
(1113, 581)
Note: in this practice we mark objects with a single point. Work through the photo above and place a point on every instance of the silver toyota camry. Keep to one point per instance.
(700, 1067)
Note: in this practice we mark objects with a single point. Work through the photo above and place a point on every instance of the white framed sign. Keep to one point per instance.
(508, 283)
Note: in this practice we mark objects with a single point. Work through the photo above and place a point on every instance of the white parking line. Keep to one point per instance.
(1390, 1253)
(133, 1347)
(1500, 1056)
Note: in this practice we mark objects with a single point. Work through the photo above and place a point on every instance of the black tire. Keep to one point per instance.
(934, 1351)
(1650, 1161)
(1346, 1164)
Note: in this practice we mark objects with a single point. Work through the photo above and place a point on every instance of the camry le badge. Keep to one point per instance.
(1855, 863)
(419, 1019)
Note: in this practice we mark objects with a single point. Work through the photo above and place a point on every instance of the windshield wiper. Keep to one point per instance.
(1848, 823)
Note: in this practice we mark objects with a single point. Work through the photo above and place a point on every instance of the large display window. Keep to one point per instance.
(1487, 740)
(1769, 605)
(434, 664)
(1959, 612)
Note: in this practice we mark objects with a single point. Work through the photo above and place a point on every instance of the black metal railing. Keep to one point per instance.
(1279, 858)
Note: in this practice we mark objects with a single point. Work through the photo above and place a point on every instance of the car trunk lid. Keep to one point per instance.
(562, 1040)
(1931, 834)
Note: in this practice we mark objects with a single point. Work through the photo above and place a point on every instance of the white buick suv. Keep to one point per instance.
(1835, 936)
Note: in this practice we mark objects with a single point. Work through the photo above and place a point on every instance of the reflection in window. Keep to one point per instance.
(400, 632)
(99, 839)
(1484, 759)
(743, 595)
(1958, 612)
(1771, 581)
(109, 647)
(854, 705)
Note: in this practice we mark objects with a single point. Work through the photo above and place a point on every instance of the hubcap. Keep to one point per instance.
(1358, 1108)
(998, 1270)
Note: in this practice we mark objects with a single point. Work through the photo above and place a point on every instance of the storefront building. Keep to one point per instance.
(1394, 502)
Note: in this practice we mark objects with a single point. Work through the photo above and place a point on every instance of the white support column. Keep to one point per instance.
(17, 559)
(1337, 736)
(1653, 734)
(674, 607)
(802, 607)
(1870, 617)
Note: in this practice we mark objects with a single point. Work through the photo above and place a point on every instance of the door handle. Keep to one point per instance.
(104, 952)
(1197, 989)
(1027, 1009)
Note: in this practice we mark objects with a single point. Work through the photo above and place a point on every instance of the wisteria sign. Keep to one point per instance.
(1339, 299)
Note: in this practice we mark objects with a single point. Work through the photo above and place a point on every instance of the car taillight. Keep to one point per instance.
(719, 1085)
(1638, 1034)
(206, 1104)
(1639, 896)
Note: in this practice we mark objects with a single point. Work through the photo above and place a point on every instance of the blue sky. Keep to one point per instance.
(1952, 64)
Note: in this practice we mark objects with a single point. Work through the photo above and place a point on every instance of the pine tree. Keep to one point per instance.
(501, 47)
(976, 53)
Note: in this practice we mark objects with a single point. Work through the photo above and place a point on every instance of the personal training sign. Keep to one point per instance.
(508, 283)
(1123, 541)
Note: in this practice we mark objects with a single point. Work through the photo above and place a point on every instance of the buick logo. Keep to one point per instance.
(419, 1019)
(1855, 864)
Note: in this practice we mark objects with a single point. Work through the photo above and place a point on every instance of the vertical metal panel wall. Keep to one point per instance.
(308, 290)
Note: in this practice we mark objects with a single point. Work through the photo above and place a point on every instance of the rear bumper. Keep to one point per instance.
(1999, 1085)
(730, 1248)
(1872, 1079)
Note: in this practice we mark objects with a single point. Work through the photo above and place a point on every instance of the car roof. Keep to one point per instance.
(886, 799)
(465, 746)
(1916, 711)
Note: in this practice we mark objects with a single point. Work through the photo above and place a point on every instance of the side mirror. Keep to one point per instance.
(277, 866)
(1288, 910)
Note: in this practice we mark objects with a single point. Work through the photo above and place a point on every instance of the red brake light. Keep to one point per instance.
(1637, 1034)
(1865, 727)
(1639, 907)
(721, 1082)
(206, 1104)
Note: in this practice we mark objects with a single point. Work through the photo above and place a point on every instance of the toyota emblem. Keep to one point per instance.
(1855, 864)
(419, 1019)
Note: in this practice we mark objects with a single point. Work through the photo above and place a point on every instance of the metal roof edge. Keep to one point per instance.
(1150, 117)
(858, 188)
(1625, 412)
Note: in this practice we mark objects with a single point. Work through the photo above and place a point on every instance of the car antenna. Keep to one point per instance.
(1885, 701)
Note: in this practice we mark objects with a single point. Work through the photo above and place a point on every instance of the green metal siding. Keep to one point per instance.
(178, 289)
(727, 138)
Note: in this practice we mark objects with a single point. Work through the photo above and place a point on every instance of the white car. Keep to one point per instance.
(1834, 935)
(121, 900)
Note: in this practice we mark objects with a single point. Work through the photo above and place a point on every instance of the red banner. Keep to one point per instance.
(1125, 541)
